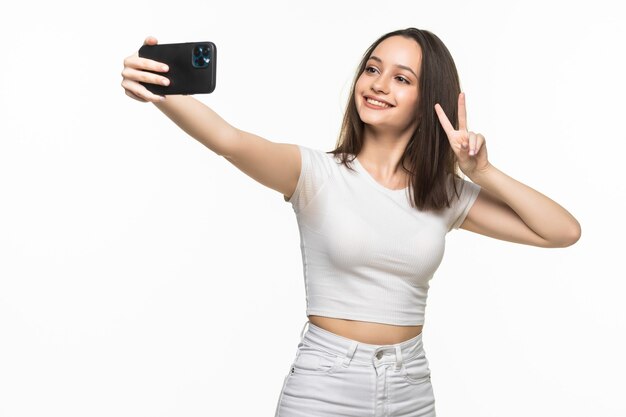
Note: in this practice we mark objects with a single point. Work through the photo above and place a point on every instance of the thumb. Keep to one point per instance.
(150, 40)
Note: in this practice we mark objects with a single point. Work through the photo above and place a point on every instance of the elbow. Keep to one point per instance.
(575, 232)
(568, 239)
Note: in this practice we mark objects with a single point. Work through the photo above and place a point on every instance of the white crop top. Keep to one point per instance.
(366, 253)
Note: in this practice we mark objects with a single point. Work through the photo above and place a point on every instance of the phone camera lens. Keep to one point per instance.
(201, 55)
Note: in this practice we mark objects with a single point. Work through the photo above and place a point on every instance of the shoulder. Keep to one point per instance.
(459, 188)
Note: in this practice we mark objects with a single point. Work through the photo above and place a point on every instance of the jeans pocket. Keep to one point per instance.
(416, 370)
(314, 361)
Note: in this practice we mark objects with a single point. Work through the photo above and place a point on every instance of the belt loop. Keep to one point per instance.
(398, 357)
(350, 353)
(374, 365)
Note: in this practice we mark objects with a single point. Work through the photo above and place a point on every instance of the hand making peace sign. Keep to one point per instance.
(469, 147)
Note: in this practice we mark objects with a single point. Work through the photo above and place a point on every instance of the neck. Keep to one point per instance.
(382, 150)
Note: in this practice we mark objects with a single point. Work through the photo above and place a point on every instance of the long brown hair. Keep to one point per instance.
(428, 152)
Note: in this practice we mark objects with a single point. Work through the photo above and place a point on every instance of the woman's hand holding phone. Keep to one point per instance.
(135, 72)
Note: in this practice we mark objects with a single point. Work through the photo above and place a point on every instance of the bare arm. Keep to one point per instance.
(200, 122)
(275, 165)
(505, 208)
(510, 210)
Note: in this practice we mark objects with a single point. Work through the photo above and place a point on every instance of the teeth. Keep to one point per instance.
(377, 103)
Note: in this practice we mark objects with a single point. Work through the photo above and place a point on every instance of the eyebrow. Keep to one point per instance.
(375, 58)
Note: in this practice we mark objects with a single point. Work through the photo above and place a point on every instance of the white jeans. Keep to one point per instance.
(334, 376)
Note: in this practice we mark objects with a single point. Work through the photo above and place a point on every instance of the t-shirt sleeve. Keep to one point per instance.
(315, 171)
(459, 207)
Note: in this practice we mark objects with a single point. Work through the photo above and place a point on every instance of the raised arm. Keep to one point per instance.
(275, 165)
(505, 208)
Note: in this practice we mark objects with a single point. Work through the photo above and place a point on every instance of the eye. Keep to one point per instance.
(404, 80)
(368, 68)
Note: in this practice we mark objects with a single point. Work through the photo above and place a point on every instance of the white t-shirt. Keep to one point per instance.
(366, 253)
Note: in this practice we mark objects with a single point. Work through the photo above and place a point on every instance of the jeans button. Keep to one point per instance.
(379, 354)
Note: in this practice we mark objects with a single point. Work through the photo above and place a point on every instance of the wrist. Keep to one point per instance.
(479, 175)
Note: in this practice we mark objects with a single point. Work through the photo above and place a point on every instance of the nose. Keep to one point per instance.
(380, 84)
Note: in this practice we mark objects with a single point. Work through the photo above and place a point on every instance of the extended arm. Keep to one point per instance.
(200, 122)
(275, 165)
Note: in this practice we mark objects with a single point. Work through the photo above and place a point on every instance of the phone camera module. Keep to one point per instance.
(201, 56)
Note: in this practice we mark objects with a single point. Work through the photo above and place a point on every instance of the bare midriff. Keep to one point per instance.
(366, 331)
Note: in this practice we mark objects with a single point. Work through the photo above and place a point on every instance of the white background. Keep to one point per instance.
(143, 275)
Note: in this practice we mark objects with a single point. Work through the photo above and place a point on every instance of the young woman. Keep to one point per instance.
(373, 214)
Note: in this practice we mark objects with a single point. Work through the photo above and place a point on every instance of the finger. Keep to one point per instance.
(141, 91)
(143, 76)
(480, 140)
(472, 143)
(131, 95)
(462, 112)
(463, 139)
(443, 119)
(150, 40)
(137, 62)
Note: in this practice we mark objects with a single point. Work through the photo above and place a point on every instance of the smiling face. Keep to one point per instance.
(391, 77)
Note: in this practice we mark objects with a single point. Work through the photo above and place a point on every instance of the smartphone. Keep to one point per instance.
(191, 67)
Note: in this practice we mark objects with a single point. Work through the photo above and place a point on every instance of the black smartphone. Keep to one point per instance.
(191, 67)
